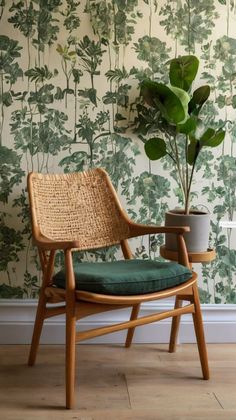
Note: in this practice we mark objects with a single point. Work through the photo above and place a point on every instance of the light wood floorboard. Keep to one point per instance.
(114, 383)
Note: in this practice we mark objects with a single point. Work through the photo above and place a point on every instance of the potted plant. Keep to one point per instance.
(175, 126)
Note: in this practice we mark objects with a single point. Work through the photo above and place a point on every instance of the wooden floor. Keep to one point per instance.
(143, 382)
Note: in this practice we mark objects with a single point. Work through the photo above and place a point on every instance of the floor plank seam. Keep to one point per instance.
(126, 382)
(217, 399)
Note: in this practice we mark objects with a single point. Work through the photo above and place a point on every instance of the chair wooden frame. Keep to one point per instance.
(79, 304)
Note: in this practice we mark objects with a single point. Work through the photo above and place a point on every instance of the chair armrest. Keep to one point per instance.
(49, 244)
(137, 229)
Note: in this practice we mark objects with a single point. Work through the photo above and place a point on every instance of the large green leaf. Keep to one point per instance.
(193, 151)
(184, 99)
(160, 96)
(209, 133)
(183, 71)
(212, 138)
(155, 148)
(201, 94)
(199, 97)
(188, 127)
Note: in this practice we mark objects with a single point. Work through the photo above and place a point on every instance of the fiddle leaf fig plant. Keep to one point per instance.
(178, 128)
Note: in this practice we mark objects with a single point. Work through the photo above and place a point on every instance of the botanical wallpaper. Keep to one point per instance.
(69, 87)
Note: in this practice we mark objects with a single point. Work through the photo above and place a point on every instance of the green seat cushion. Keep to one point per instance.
(126, 277)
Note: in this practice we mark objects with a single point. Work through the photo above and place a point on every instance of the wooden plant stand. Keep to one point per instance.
(194, 257)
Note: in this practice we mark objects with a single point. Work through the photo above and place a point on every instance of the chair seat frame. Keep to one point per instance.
(80, 304)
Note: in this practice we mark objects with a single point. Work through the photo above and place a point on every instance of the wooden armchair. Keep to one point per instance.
(81, 211)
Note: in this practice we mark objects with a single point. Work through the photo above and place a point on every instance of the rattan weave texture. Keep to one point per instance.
(79, 206)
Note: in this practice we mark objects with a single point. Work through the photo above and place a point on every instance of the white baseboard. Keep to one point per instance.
(17, 319)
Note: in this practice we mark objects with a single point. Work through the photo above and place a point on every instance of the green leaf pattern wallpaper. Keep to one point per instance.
(69, 87)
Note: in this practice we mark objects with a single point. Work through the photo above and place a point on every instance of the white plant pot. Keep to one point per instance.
(198, 237)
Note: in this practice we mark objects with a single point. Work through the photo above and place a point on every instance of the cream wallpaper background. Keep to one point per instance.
(69, 85)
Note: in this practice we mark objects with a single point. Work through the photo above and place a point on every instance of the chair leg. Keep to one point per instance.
(37, 328)
(47, 268)
(199, 331)
(70, 359)
(130, 333)
(175, 327)
(70, 330)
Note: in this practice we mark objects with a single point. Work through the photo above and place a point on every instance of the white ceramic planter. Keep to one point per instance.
(198, 237)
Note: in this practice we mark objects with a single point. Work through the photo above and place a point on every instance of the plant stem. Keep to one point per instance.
(182, 183)
(186, 160)
(172, 158)
(189, 188)
(149, 210)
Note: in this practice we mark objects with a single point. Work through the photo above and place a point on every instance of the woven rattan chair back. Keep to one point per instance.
(80, 206)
